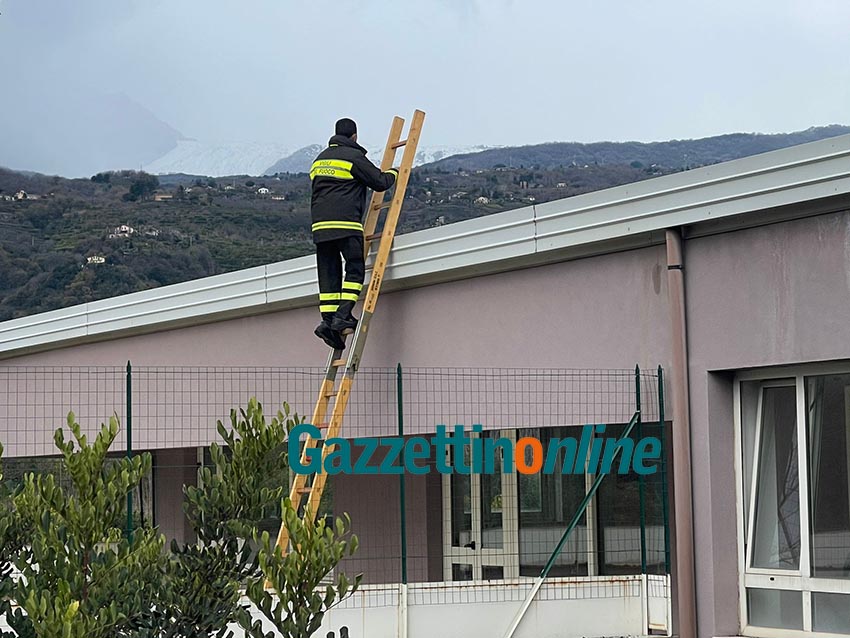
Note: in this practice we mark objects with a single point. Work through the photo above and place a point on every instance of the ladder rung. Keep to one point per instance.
(382, 205)
(373, 236)
(304, 490)
(399, 144)
(331, 394)
(338, 362)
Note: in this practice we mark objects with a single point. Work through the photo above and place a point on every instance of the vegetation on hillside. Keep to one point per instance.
(73, 244)
(80, 240)
(672, 154)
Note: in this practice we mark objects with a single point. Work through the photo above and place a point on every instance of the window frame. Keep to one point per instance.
(756, 465)
(795, 580)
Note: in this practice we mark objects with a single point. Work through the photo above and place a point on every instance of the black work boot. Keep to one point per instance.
(326, 333)
(343, 319)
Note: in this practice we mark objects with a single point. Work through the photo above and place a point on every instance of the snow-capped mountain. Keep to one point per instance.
(267, 158)
(428, 154)
(218, 159)
(297, 162)
(300, 160)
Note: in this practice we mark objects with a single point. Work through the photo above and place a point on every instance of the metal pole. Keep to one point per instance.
(664, 491)
(641, 479)
(129, 447)
(583, 505)
(401, 478)
(572, 525)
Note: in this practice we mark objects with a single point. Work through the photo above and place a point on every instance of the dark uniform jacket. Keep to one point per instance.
(340, 176)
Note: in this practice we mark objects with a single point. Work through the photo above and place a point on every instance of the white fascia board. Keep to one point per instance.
(787, 176)
(61, 325)
(242, 289)
(525, 236)
(289, 282)
(498, 237)
(238, 291)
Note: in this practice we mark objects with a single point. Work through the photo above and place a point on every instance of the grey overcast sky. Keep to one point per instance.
(487, 72)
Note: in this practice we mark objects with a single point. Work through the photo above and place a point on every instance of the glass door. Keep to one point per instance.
(480, 537)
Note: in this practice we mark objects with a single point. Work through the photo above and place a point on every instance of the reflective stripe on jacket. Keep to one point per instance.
(340, 177)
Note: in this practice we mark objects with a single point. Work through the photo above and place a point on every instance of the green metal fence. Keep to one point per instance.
(431, 527)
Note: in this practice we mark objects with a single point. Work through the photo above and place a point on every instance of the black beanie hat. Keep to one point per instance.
(346, 126)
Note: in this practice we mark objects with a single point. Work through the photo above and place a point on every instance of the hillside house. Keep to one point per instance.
(263, 191)
(122, 231)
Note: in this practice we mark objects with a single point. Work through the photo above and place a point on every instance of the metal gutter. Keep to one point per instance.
(684, 580)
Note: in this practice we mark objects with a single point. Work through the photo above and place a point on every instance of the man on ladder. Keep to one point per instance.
(340, 176)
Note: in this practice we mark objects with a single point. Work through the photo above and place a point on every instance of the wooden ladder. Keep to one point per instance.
(304, 494)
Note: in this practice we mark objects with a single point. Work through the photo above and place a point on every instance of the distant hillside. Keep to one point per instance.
(297, 162)
(62, 244)
(673, 154)
(207, 226)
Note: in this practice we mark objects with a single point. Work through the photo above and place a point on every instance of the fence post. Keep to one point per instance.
(641, 480)
(664, 492)
(402, 593)
(401, 477)
(129, 428)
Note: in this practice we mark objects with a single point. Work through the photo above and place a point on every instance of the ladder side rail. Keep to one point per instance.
(319, 413)
(394, 212)
(334, 429)
(382, 257)
(374, 210)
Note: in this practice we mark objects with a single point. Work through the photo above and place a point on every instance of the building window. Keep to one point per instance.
(776, 518)
(794, 441)
(547, 502)
(828, 416)
(505, 525)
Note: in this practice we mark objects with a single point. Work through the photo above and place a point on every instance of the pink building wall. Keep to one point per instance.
(770, 295)
(766, 296)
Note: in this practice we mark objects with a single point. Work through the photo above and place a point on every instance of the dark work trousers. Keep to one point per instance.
(335, 294)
